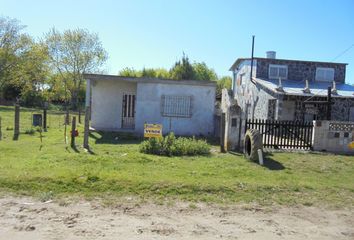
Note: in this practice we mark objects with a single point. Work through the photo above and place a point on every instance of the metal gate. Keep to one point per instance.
(283, 134)
(128, 111)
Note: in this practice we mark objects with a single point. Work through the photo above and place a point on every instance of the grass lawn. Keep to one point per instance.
(116, 168)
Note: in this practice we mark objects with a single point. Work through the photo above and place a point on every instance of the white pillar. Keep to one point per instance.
(88, 93)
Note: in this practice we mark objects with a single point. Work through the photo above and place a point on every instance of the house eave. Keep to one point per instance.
(104, 77)
(256, 80)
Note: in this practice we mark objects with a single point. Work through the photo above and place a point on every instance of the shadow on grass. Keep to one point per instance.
(272, 164)
(114, 138)
(74, 147)
(269, 162)
(236, 153)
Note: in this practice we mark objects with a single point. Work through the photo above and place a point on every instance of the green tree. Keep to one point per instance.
(72, 53)
(13, 44)
(182, 70)
(128, 72)
(224, 82)
(162, 73)
(23, 68)
(203, 72)
(148, 72)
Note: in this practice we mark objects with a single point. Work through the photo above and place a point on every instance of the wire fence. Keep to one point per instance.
(55, 119)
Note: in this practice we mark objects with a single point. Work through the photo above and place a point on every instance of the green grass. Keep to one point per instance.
(117, 168)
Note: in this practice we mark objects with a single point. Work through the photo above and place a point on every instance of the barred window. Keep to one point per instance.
(176, 106)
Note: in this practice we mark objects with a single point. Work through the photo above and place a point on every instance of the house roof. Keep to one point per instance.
(317, 88)
(103, 77)
(239, 60)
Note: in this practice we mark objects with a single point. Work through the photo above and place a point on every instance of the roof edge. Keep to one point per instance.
(89, 76)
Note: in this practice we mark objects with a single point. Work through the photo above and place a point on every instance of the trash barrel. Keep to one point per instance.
(37, 120)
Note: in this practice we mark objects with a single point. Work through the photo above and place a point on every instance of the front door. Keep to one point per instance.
(128, 111)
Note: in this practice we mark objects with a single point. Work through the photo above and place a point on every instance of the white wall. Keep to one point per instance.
(107, 96)
(148, 108)
(331, 136)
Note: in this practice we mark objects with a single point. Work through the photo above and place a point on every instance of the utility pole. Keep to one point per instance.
(329, 103)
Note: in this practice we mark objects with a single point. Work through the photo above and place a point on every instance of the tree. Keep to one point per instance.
(23, 71)
(13, 43)
(146, 72)
(182, 70)
(202, 72)
(128, 72)
(224, 82)
(72, 53)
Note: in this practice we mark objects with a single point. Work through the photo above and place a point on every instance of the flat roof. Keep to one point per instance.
(239, 60)
(104, 77)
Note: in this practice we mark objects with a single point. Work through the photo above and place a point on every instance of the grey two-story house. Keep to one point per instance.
(282, 89)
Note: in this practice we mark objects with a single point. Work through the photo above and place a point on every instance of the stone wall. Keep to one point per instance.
(300, 70)
(261, 103)
(340, 107)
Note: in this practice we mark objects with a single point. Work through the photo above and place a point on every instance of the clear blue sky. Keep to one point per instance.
(155, 33)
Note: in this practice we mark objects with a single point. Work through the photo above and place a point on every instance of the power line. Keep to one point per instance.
(346, 50)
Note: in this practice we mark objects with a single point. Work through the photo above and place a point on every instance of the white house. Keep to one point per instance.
(185, 107)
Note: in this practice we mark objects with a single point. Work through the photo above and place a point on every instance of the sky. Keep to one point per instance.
(156, 33)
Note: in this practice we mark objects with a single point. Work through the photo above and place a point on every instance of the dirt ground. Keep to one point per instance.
(26, 218)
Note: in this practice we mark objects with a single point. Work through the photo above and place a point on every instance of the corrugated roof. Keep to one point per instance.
(317, 88)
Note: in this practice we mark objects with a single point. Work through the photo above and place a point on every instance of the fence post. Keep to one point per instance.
(73, 128)
(17, 121)
(0, 130)
(45, 119)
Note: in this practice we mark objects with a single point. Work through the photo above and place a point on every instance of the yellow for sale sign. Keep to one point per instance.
(351, 145)
(152, 130)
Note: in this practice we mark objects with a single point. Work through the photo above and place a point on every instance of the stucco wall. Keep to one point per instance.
(107, 99)
(148, 108)
(333, 136)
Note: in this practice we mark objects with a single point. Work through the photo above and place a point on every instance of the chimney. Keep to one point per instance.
(271, 54)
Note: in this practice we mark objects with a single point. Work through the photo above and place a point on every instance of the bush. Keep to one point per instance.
(32, 130)
(172, 146)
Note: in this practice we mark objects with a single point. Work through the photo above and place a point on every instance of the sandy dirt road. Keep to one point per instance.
(27, 218)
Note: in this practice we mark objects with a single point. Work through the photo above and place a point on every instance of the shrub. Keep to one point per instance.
(172, 146)
(32, 130)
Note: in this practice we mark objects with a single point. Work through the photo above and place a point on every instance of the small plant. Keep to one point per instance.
(46, 196)
(32, 130)
(9, 128)
(172, 146)
(92, 178)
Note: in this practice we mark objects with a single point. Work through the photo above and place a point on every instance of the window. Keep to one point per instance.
(278, 71)
(324, 74)
(233, 122)
(176, 106)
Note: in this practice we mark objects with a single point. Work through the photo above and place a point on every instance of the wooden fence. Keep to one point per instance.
(283, 134)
